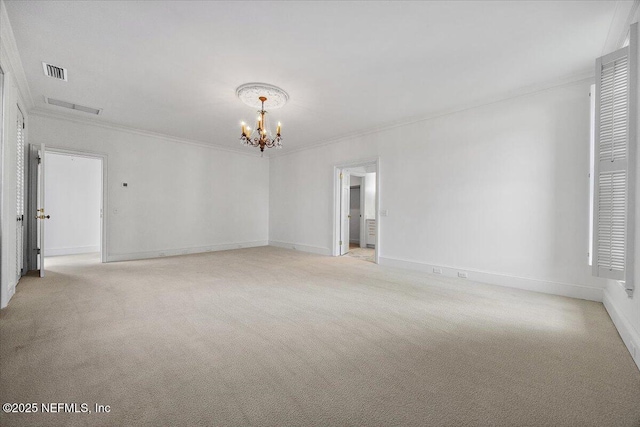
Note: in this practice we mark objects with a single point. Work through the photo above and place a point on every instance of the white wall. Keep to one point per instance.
(181, 198)
(499, 190)
(73, 199)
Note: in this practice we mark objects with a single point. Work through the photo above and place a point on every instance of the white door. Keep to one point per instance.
(41, 216)
(345, 198)
(20, 197)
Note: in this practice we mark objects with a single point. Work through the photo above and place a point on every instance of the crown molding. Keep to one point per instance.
(625, 14)
(39, 112)
(577, 78)
(14, 63)
(524, 91)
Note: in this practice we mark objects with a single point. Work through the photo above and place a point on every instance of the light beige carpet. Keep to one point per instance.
(271, 337)
(365, 254)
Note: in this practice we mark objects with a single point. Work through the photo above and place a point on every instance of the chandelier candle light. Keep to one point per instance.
(261, 136)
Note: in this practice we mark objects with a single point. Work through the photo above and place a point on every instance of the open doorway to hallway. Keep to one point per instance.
(356, 232)
(73, 196)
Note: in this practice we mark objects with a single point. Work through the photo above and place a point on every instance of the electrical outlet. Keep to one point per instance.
(437, 270)
(462, 274)
(633, 350)
(162, 254)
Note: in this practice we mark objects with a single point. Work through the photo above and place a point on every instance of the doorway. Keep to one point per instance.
(69, 199)
(356, 231)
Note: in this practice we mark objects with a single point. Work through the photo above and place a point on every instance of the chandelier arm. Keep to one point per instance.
(262, 138)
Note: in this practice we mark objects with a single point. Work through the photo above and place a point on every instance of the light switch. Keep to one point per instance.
(384, 212)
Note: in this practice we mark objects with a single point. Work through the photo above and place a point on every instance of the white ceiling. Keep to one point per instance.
(173, 67)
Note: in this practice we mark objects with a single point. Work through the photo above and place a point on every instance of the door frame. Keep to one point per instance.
(104, 244)
(5, 292)
(337, 169)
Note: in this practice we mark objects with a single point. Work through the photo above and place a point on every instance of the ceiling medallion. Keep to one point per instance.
(250, 94)
(261, 95)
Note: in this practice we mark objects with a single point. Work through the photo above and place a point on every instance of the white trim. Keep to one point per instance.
(592, 168)
(622, 18)
(299, 247)
(76, 153)
(629, 335)
(104, 164)
(71, 251)
(38, 112)
(537, 285)
(132, 256)
(574, 79)
(4, 298)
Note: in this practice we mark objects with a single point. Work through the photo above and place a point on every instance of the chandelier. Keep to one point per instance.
(261, 136)
(257, 94)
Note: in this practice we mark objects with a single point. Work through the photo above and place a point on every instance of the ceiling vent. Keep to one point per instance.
(72, 106)
(54, 71)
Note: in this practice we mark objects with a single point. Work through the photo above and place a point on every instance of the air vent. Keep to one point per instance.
(72, 106)
(54, 71)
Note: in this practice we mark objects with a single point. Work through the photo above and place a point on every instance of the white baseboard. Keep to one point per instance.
(10, 293)
(628, 334)
(537, 285)
(183, 251)
(71, 251)
(298, 247)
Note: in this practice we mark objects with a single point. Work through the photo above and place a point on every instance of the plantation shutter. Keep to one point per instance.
(20, 195)
(20, 165)
(614, 157)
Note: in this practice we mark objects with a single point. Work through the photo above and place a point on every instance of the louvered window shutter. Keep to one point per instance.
(614, 157)
(20, 165)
